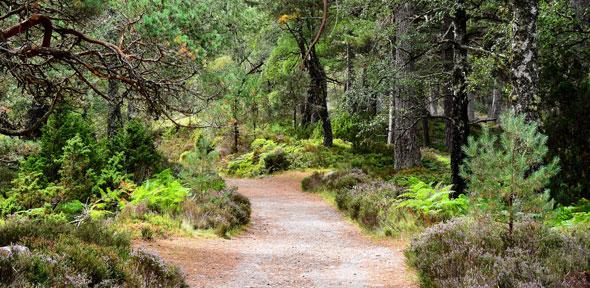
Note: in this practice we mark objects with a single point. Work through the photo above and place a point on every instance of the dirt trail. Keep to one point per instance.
(295, 240)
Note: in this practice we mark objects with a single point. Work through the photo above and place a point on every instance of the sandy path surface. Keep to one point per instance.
(295, 239)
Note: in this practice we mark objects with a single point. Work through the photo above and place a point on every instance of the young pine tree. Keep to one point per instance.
(507, 173)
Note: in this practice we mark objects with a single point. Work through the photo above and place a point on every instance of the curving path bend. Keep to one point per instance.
(295, 239)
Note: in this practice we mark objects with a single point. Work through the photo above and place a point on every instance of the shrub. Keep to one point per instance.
(275, 161)
(58, 254)
(137, 143)
(163, 193)
(334, 181)
(368, 203)
(222, 211)
(469, 253)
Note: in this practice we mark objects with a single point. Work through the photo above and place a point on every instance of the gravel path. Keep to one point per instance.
(295, 240)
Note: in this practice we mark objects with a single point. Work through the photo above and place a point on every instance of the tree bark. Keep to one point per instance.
(115, 117)
(447, 87)
(406, 150)
(459, 115)
(318, 94)
(496, 104)
(471, 107)
(432, 99)
(524, 67)
(426, 128)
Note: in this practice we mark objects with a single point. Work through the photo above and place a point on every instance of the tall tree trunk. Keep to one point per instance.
(471, 106)
(524, 67)
(496, 105)
(318, 94)
(447, 87)
(460, 99)
(115, 117)
(391, 120)
(426, 128)
(432, 99)
(406, 150)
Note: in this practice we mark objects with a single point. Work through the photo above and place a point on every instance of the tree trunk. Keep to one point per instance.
(432, 99)
(406, 150)
(524, 67)
(494, 111)
(236, 136)
(115, 117)
(460, 99)
(391, 120)
(426, 128)
(471, 107)
(318, 94)
(447, 87)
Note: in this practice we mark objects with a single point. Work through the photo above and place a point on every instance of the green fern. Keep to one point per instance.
(432, 203)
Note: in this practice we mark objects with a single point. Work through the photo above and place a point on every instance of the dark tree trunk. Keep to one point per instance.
(115, 120)
(426, 128)
(318, 95)
(236, 137)
(406, 150)
(459, 115)
(524, 67)
(447, 87)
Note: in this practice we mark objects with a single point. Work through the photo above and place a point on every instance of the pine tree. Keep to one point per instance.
(506, 174)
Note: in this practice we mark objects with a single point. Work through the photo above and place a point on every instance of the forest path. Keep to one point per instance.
(295, 239)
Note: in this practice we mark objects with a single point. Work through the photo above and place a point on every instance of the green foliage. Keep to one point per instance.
(76, 170)
(200, 167)
(163, 193)
(60, 128)
(302, 154)
(63, 255)
(569, 216)
(432, 203)
(469, 253)
(506, 173)
(136, 142)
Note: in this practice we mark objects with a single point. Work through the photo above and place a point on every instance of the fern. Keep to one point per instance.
(432, 203)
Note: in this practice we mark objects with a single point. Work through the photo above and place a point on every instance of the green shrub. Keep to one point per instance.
(469, 253)
(163, 193)
(60, 128)
(137, 143)
(76, 172)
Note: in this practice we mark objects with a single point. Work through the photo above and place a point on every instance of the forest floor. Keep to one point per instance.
(295, 239)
